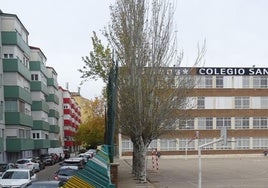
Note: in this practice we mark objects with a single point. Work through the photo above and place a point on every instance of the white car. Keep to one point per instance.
(17, 178)
(85, 156)
(28, 163)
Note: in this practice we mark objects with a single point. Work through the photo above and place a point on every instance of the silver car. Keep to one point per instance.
(65, 173)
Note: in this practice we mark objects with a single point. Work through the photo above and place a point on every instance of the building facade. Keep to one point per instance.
(235, 98)
(31, 113)
(71, 120)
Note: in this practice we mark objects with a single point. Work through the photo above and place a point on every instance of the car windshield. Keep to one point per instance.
(22, 161)
(70, 163)
(67, 172)
(15, 175)
(43, 185)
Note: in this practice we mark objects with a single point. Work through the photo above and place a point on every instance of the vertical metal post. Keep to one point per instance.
(199, 168)
(186, 149)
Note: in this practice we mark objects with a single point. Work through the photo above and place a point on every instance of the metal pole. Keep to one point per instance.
(199, 168)
(199, 160)
(186, 148)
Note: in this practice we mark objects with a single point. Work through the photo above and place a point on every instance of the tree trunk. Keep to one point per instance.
(139, 160)
(142, 165)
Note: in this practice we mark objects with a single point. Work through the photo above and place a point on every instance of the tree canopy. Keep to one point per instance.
(91, 132)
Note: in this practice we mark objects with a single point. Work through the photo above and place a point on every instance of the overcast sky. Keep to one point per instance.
(236, 32)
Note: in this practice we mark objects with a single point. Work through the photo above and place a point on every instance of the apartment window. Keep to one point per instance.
(183, 143)
(36, 135)
(242, 123)
(21, 133)
(186, 124)
(34, 77)
(260, 143)
(208, 81)
(260, 123)
(242, 102)
(28, 133)
(260, 82)
(204, 81)
(8, 56)
(223, 122)
(127, 145)
(21, 106)
(245, 81)
(219, 81)
(200, 102)
(264, 102)
(242, 143)
(168, 144)
(11, 106)
(205, 123)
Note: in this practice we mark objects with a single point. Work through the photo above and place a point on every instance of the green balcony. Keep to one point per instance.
(40, 125)
(39, 86)
(14, 65)
(17, 93)
(52, 98)
(1, 144)
(40, 106)
(41, 143)
(38, 66)
(14, 38)
(54, 129)
(19, 144)
(52, 82)
(53, 113)
(54, 143)
(17, 118)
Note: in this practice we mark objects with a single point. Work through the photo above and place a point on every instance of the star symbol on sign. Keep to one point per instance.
(185, 71)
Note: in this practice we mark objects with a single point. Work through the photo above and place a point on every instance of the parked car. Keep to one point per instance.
(55, 157)
(75, 161)
(17, 177)
(45, 184)
(47, 159)
(6, 166)
(65, 173)
(28, 163)
(85, 156)
(91, 152)
(42, 164)
(67, 154)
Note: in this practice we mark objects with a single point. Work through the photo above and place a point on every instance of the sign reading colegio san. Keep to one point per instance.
(231, 71)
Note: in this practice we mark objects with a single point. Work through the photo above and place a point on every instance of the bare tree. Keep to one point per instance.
(149, 92)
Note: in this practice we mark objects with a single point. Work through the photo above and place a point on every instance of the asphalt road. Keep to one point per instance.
(216, 173)
(48, 172)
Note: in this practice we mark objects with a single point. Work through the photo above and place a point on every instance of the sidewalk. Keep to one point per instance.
(126, 178)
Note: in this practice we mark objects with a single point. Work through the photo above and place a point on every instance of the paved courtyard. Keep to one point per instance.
(238, 172)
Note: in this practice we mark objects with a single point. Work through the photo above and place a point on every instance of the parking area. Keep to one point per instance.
(238, 172)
